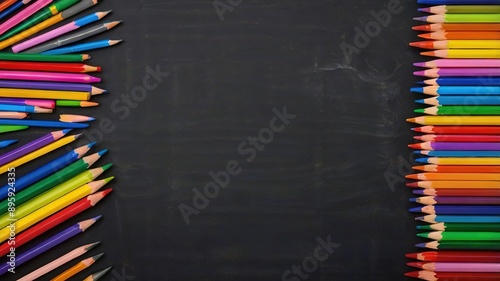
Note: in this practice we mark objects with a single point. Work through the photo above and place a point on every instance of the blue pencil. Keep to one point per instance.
(44, 124)
(462, 81)
(24, 108)
(457, 2)
(12, 9)
(458, 153)
(82, 47)
(461, 100)
(459, 219)
(457, 210)
(46, 170)
(457, 90)
(6, 143)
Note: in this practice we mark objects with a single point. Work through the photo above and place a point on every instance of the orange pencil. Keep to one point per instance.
(7, 3)
(84, 264)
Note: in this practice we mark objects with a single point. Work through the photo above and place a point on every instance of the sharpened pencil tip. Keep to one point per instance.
(420, 245)
(65, 131)
(418, 192)
(419, 218)
(106, 180)
(90, 246)
(90, 145)
(96, 257)
(413, 200)
(97, 218)
(78, 135)
(421, 101)
(427, 9)
(107, 166)
(424, 19)
(422, 160)
(419, 64)
(102, 152)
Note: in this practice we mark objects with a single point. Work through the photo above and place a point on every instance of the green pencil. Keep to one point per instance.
(11, 128)
(40, 16)
(494, 227)
(461, 245)
(46, 58)
(75, 103)
(460, 110)
(461, 236)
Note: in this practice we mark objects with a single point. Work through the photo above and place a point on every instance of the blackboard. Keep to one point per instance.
(288, 117)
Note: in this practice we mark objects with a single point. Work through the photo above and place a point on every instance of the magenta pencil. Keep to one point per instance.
(456, 71)
(460, 63)
(24, 14)
(48, 76)
(457, 266)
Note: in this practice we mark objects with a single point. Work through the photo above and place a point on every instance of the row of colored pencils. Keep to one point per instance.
(44, 73)
(459, 147)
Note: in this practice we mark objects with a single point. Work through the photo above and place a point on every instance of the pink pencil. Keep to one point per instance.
(457, 266)
(48, 76)
(24, 14)
(460, 63)
(439, 72)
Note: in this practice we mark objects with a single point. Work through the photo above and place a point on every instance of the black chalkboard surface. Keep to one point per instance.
(251, 140)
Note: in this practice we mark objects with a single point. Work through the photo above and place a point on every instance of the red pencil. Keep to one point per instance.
(454, 276)
(458, 138)
(478, 192)
(54, 220)
(457, 169)
(459, 130)
(457, 256)
(48, 66)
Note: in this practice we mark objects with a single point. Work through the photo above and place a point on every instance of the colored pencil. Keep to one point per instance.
(458, 27)
(464, 53)
(466, 192)
(24, 14)
(52, 207)
(459, 71)
(461, 100)
(461, 227)
(14, 115)
(456, 146)
(48, 76)
(445, 153)
(460, 161)
(458, 138)
(37, 153)
(453, 110)
(45, 94)
(461, 245)
(82, 47)
(457, 44)
(75, 37)
(32, 146)
(460, 18)
(43, 123)
(32, 102)
(49, 66)
(452, 120)
(46, 170)
(24, 108)
(459, 200)
(457, 267)
(455, 176)
(50, 243)
(13, 7)
(76, 229)
(82, 265)
(40, 16)
(458, 90)
(457, 2)
(6, 143)
(455, 276)
(9, 128)
(74, 25)
(439, 63)
(73, 103)
(54, 220)
(463, 81)
(457, 210)
(459, 130)
(456, 256)
(41, 58)
(455, 184)
(98, 275)
(74, 174)
(75, 118)
(71, 11)
(462, 9)
(459, 219)
(15, 87)
(7, 3)
(39, 199)
(460, 236)
(461, 35)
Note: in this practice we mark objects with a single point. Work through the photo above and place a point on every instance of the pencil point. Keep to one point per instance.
(415, 146)
(102, 152)
(412, 184)
(96, 257)
(424, 19)
(108, 179)
(90, 246)
(413, 200)
(428, 54)
(419, 73)
(65, 131)
(418, 192)
(419, 110)
(420, 218)
(419, 64)
(422, 160)
(98, 275)
(421, 101)
(419, 90)
(90, 145)
(97, 218)
(77, 135)
(427, 9)
(106, 192)
(107, 166)
(413, 274)
(425, 27)
(416, 210)
(423, 235)
(411, 255)
(420, 245)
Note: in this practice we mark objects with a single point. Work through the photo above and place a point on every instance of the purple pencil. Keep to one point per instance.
(456, 200)
(32, 102)
(460, 63)
(48, 76)
(32, 146)
(440, 72)
(457, 266)
(50, 243)
(476, 146)
(56, 86)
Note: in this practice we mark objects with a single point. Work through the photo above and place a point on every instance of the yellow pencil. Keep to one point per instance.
(53, 207)
(464, 53)
(43, 94)
(461, 161)
(37, 153)
(456, 120)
